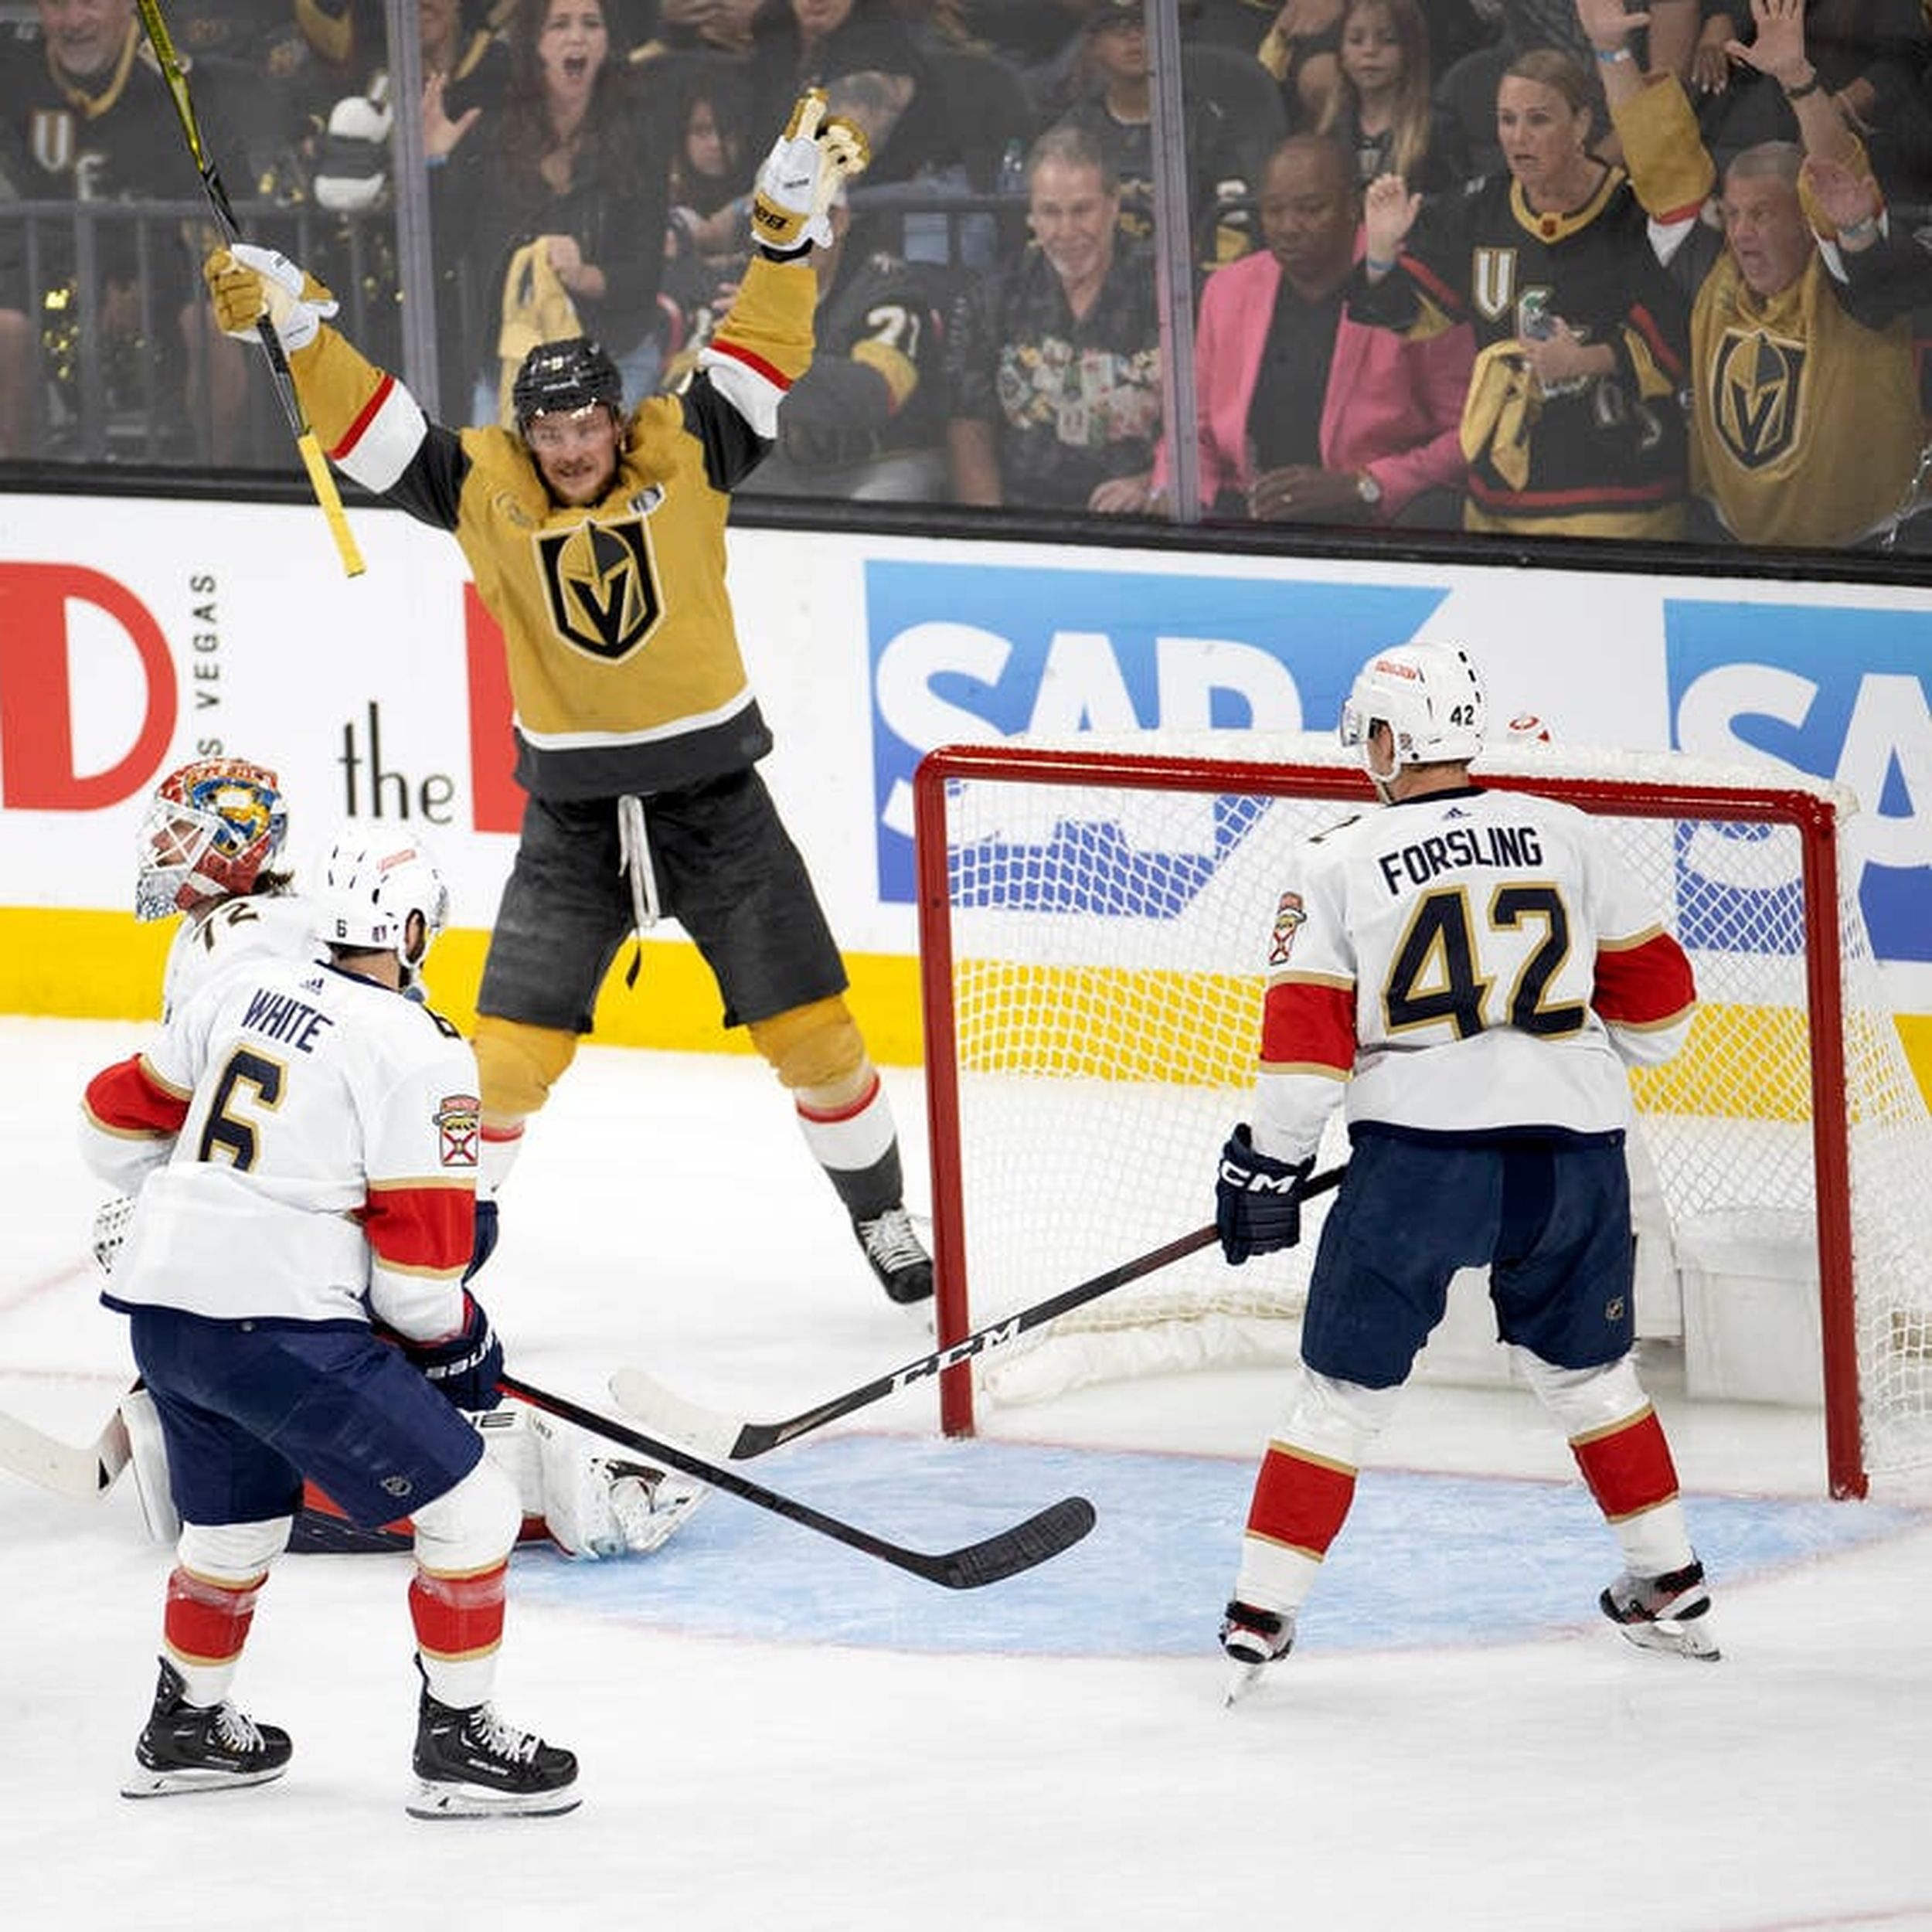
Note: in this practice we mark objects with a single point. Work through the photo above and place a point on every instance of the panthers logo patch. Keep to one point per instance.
(1289, 916)
(459, 1122)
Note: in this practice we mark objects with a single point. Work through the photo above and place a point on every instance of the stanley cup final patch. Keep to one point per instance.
(1289, 917)
(459, 1119)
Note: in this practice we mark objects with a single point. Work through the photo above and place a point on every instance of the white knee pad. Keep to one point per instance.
(1584, 1400)
(471, 1527)
(233, 1553)
(1335, 1419)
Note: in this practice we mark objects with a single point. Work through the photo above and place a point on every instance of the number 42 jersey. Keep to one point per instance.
(1470, 963)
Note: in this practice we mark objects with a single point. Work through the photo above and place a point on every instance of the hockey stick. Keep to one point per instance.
(70, 1469)
(320, 479)
(1056, 1528)
(643, 1396)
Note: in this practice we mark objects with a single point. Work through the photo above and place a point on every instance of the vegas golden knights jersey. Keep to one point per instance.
(623, 661)
(1606, 457)
(1805, 421)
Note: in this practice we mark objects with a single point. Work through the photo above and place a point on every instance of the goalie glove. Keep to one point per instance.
(802, 177)
(247, 283)
(1257, 1199)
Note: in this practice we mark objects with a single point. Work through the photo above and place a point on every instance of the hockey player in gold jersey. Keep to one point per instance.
(596, 536)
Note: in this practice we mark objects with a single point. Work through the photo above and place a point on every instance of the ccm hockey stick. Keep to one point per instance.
(320, 479)
(644, 1396)
(1056, 1528)
(80, 1470)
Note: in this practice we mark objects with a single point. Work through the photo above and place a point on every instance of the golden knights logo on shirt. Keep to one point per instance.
(1756, 382)
(1492, 282)
(601, 586)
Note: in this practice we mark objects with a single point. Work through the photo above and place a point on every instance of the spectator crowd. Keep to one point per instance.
(1524, 267)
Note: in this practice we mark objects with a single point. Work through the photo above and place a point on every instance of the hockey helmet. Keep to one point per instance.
(365, 889)
(561, 377)
(210, 829)
(1431, 697)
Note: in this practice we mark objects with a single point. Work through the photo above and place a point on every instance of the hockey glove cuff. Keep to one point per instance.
(467, 1365)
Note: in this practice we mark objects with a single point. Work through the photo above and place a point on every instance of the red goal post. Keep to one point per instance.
(1093, 920)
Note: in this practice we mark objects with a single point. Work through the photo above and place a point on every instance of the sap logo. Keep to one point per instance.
(1838, 694)
(976, 653)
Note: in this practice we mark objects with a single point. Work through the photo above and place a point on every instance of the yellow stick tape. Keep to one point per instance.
(322, 481)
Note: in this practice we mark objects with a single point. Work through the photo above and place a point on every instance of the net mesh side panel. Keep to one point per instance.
(1108, 946)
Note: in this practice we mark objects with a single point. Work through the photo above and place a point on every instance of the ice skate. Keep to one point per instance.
(470, 1763)
(904, 1268)
(1253, 1639)
(595, 1505)
(1663, 1613)
(197, 1748)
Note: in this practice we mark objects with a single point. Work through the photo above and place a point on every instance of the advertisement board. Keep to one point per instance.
(136, 634)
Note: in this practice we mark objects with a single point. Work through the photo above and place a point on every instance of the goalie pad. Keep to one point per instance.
(147, 1452)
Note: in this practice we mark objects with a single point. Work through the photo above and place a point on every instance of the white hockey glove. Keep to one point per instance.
(801, 176)
(111, 1230)
(247, 283)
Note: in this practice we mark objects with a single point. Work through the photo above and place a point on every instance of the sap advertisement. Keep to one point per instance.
(965, 653)
(168, 630)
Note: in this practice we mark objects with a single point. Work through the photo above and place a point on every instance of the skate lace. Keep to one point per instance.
(236, 1730)
(890, 1241)
(504, 1742)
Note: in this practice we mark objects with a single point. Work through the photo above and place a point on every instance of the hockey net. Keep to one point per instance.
(1092, 923)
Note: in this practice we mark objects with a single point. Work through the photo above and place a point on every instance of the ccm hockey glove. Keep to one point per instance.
(247, 283)
(1257, 1199)
(801, 176)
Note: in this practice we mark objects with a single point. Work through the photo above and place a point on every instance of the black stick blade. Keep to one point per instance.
(1026, 1545)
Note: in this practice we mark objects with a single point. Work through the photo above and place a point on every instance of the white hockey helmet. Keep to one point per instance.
(211, 829)
(1431, 697)
(365, 890)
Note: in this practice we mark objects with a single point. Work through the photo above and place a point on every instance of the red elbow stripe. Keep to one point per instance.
(770, 372)
(128, 1098)
(1644, 985)
(425, 1229)
(1303, 1024)
(367, 415)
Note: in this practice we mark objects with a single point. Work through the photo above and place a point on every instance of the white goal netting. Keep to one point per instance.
(1093, 1028)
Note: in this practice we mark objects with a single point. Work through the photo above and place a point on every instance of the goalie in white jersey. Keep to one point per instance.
(1473, 971)
(210, 848)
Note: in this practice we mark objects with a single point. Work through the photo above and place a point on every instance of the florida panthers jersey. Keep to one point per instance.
(257, 926)
(1469, 963)
(308, 1139)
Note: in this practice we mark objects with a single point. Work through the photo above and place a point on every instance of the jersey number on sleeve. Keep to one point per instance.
(1437, 973)
(231, 1136)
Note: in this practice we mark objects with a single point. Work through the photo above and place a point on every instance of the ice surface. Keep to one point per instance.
(776, 1732)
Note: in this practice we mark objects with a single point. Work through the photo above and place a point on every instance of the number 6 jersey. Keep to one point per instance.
(308, 1138)
(1471, 963)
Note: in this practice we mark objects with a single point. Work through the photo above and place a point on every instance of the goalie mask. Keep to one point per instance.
(365, 891)
(1431, 697)
(560, 378)
(211, 829)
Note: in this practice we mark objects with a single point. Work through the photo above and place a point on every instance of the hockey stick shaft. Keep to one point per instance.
(1056, 1528)
(81, 1470)
(320, 478)
(739, 1441)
